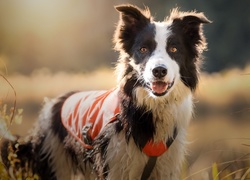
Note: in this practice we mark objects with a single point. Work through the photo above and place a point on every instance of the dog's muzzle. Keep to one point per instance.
(158, 86)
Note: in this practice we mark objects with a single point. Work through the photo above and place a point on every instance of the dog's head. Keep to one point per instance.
(155, 56)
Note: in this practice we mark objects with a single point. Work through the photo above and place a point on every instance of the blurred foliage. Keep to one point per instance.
(3, 172)
(7, 115)
(77, 35)
(16, 170)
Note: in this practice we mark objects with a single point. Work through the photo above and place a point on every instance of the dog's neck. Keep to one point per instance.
(166, 110)
(152, 118)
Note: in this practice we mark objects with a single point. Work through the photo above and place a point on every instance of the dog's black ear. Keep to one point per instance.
(132, 20)
(189, 24)
(133, 17)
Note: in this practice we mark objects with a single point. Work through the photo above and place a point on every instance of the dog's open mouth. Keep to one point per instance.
(160, 88)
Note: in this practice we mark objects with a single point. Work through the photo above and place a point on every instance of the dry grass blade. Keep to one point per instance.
(219, 164)
(14, 91)
(234, 172)
(234, 161)
(14, 103)
(245, 174)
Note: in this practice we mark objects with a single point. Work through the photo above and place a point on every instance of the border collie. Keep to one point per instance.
(134, 131)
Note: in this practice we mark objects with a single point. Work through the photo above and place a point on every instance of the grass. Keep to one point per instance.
(222, 88)
(43, 83)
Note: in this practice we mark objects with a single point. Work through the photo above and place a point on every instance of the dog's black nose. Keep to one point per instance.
(159, 71)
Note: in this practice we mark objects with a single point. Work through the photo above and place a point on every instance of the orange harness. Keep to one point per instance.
(87, 113)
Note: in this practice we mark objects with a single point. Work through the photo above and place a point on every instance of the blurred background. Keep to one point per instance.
(51, 47)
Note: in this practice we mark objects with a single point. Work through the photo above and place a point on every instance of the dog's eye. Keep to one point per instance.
(143, 50)
(172, 49)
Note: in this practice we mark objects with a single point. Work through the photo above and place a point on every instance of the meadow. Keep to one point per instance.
(219, 136)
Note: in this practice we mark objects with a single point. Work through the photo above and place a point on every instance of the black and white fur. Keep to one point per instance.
(157, 72)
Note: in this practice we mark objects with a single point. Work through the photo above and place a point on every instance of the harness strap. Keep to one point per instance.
(149, 167)
(171, 140)
(152, 159)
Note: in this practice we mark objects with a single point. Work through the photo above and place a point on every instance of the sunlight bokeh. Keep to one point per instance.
(59, 35)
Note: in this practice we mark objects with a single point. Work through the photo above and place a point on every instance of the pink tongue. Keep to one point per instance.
(159, 87)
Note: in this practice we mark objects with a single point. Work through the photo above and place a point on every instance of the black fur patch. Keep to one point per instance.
(129, 69)
(138, 122)
(144, 39)
(185, 57)
(187, 37)
(57, 125)
(118, 125)
(5, 152)
(131, 84)
(42, 164)
(59, 129)
(132, 21)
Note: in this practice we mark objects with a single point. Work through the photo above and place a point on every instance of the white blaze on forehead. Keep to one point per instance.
(160, 56)
(161, 34)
